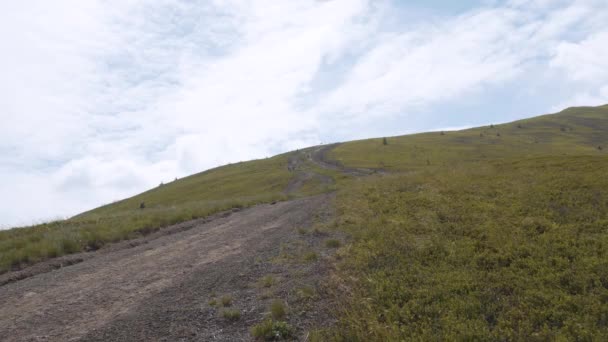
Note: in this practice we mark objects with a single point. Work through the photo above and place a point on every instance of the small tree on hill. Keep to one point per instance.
(384, 141)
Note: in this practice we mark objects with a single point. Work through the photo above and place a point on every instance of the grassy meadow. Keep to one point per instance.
(497, 238)
(507, 251)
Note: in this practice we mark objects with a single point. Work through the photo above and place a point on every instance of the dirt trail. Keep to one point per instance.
(159, 290)
(318, 155)
(302, 174)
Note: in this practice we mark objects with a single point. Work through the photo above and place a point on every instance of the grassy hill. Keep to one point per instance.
(574, 131)
(512, 250)
(232, 186)
(490, 233)
(495, 238)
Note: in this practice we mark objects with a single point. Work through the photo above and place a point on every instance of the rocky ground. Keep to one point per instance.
(164, 289)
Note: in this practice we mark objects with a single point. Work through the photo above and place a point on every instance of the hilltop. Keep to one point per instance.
(573, 132)
(490, 233)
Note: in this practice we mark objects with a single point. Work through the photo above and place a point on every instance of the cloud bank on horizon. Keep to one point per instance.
(104, 99)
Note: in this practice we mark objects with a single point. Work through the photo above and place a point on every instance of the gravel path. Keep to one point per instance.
(159, 289)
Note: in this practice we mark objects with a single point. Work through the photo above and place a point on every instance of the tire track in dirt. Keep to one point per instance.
(160, 288)
(318, 155)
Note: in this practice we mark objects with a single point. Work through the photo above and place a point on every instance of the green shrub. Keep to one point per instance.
(270, 330)
(332, 243)
(267, 281)
(278, 309)
(226, 300)
(310, 256)
(231, 314)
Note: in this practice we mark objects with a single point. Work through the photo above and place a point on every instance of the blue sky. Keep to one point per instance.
(104, 99)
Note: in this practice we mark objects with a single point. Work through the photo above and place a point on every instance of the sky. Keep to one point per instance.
(103, 99)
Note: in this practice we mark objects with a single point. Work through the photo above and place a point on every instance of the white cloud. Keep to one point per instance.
(585, 60)
(465, 55)
(585, 63)
(103, 100)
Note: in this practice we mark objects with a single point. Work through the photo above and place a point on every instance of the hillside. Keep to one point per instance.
(490, 233)
(224, 188)
(494, 238)
(573, 132)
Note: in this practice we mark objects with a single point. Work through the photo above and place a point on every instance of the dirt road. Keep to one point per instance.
(318, 155)
(160, 289)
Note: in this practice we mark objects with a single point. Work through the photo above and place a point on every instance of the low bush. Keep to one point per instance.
(226, 300)
(270, 330)
(231, 314)
(267, 281)
(278, 310)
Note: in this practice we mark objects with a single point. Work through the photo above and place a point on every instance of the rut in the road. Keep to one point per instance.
(159, 290)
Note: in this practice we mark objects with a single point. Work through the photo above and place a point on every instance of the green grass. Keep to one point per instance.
(310, 256)
(278, 309)
(511, 250)
(258, 180)
(226, 300)
(231, 314)
(270, 330)
(267, 281)
(574, 131)
(493, 233)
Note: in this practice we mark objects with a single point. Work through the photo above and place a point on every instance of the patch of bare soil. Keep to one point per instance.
(163, 288)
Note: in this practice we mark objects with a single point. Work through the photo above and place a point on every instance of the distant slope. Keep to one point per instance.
(253, 181)
(224, 188)
(574, 131)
